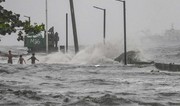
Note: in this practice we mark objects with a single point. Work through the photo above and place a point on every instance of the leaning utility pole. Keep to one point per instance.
(74, 26)
(47, 48)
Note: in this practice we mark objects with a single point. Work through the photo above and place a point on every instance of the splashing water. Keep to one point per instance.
(90, 78)
(96, 54)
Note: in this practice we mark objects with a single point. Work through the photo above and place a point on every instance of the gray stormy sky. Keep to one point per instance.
(153, 15)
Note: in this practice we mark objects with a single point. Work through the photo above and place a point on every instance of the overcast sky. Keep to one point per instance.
(153, 15)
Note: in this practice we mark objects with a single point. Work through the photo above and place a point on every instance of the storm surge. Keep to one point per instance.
(94, 54)
(91, 78)
(87, 85)
(146, 48)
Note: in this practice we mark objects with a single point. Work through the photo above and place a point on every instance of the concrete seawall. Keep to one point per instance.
(169, 67)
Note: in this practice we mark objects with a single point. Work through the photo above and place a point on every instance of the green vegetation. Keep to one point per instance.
(9, 22)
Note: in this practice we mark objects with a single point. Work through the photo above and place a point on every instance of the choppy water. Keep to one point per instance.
(90, 78)
(85, 85)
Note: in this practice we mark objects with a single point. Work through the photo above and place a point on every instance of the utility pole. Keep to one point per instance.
(66, 32)
(74, 26)
(124, 13)
(29, 19)
(104, 23)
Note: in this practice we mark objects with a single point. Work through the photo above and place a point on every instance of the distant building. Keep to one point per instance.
(172, 34)
(37, 43)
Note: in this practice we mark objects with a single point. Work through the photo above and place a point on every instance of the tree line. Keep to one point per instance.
(10, 23)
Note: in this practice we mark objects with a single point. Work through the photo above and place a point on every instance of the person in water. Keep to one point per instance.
(33, 59)
(21, 60)
(10, 57)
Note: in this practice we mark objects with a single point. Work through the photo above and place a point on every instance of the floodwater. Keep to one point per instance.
(90, 78)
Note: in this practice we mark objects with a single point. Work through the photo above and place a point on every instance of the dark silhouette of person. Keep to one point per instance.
(10, 57)
(51, 37)
(21, 60)
(33, 59)
(56, 39)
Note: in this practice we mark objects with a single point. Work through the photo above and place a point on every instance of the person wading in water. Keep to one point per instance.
(33, 59)
(21, 59)
(10, 57)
